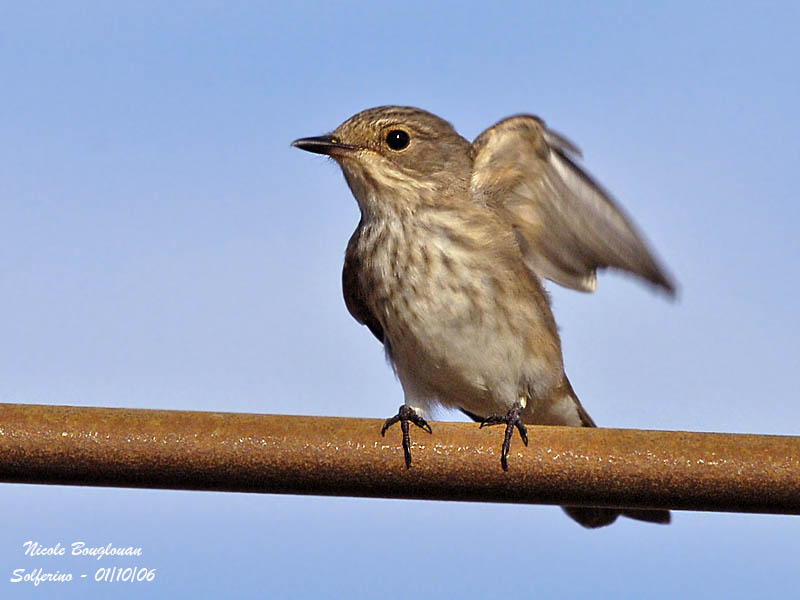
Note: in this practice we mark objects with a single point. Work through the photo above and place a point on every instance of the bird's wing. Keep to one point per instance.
(567, 226)
(354, 297)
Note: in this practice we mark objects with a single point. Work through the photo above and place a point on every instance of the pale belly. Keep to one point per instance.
(462, 332)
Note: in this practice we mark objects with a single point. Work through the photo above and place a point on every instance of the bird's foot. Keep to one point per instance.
(406, 415)
(511, 420)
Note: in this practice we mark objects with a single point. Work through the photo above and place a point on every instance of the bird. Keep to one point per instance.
(445, 267)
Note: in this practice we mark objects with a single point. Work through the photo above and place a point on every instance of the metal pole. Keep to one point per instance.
(283, 454)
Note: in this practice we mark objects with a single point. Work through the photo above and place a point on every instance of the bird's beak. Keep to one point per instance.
(323, 144)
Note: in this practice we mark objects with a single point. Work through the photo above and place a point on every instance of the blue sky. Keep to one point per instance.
(162, 246)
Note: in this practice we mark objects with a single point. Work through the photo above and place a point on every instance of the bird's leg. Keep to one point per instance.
(511, 420)
(406, 415)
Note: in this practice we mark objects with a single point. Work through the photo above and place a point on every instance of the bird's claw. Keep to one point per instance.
(511, 420)
(404, 416)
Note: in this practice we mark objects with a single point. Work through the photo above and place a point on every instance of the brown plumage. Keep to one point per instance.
(446, 263)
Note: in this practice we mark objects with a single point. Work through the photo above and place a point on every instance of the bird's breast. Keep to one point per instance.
(458, 317)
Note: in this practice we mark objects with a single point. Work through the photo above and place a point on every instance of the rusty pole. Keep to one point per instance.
(347, 457)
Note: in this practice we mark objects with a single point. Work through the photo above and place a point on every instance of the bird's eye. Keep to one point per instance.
(397, 139)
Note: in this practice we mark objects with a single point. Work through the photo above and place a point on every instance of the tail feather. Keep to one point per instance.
(593, 517)
(589, 516)
(652, 515)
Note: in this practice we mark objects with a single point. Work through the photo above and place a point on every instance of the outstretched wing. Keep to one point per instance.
(354, 297)
(567, 226)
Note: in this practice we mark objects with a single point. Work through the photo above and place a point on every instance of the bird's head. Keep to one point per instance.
(395, 158)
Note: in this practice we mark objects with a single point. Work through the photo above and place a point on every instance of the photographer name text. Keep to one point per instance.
(111, 574)
(32, 548)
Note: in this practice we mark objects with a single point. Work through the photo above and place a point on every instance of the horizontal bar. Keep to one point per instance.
(283, 454)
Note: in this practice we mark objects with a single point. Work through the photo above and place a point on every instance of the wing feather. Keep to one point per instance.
(566, 224)
(354, 296)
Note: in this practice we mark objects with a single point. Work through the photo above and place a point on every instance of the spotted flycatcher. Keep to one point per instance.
(445, 266)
